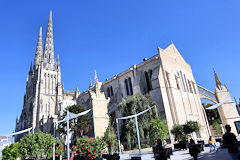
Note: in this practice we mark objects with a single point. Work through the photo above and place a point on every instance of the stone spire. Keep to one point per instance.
(39, 49)
(76, 93)
(58, 62)
(90, 83)
(218, 83)
(48, 48)
(96, 78)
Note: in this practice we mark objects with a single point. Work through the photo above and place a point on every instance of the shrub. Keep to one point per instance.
(158, 129)
(59, 151)
(93, 148)
(178, 133)
(11, 152)
(111, 138)
(182, 132)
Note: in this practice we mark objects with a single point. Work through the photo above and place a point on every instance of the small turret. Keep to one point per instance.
(58, 63)
(76, 93)
(96, 79)
(90, 83)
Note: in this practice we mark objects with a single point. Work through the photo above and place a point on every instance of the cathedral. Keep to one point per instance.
(166, 76)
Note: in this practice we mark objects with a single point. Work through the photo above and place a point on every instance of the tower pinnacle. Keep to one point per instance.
(48, 48)
(218, 83)
(90, 83)
(39, 49)
(96, 78)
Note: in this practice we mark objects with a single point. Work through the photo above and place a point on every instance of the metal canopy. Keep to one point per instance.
(218, 104)
(22, 131)
(72, 115)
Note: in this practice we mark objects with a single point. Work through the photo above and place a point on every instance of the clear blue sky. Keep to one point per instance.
(111, 36)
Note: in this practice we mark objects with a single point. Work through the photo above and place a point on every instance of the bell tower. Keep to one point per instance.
(228, 110)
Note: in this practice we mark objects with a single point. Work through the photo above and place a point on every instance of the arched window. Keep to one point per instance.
(183, 81)
(126, 86)
(177, 83)
(148, 77)
(108, 92)
(130, 86)
(111, 91)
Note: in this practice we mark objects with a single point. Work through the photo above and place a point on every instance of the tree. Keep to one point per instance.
(111, 138)
(158, 129)
(37, 145)
(217, 128)
(178, 132)
(212, 115)
(12, 152)
(78, 126)
(132, 105)
(182, 132)
(190, 127)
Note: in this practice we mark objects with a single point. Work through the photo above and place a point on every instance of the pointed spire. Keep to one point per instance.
(96, 78)
(76, 93)
(58, 62)
(90, 83)
(48, 48)
(39, 49)
(218, 83)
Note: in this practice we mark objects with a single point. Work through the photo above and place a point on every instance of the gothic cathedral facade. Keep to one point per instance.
(166, 76)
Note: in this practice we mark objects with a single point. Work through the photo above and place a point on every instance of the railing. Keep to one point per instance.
(206, 92)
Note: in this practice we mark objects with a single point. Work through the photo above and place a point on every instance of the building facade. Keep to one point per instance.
(166, 76)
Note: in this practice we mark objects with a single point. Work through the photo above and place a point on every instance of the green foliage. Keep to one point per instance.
(178, 132)
(110, 137)
(80, 125)
(182, 132)
(217, 128)
(212, 115)
(93, 148)
(12, 152)
(37, 145)
(190, 127)
(59, 151)
(130, 106)
(158, 129)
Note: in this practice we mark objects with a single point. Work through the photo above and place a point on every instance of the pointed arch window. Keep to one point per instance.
(177, 82)
(187, 89)
(148, 77)
(184, 87)
(128, 86)
(109, 91)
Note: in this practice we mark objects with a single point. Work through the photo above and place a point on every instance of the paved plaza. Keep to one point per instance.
(222, 154)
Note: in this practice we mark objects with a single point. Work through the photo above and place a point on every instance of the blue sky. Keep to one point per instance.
(111, 36)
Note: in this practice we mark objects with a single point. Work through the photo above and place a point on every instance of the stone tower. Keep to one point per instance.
(99, 104)
(44, 90)
(228, 110)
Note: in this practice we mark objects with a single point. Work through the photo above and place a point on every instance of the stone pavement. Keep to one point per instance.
(222, 154)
